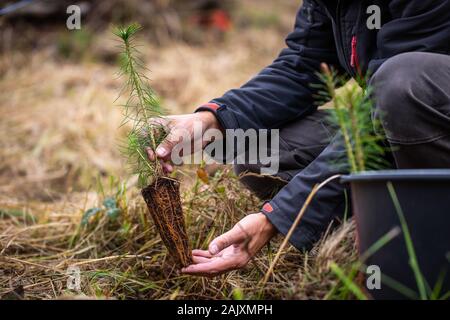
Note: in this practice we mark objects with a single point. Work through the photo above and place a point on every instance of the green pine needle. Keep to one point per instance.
(125, 33)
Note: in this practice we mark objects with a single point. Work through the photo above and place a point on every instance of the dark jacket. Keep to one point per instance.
(334, 32)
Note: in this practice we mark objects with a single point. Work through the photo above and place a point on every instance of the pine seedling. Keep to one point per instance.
(361, 133)
(141, 109)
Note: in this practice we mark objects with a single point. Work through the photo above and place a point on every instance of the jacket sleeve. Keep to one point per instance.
(415, 26)
(330, 201)
(282, 91)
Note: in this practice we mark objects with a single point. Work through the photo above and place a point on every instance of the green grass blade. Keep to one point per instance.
(399, 287)
(384, 240)
(348, 283)
(413, 262)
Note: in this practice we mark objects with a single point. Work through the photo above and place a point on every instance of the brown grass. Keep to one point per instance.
(125, 258)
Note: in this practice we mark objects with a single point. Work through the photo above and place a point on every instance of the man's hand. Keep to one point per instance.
(233, 249)
(178, 126)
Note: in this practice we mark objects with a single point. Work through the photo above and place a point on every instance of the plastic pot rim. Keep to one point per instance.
(398, 175)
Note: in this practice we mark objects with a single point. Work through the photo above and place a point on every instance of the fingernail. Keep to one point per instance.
(161, 152)
(214, 249)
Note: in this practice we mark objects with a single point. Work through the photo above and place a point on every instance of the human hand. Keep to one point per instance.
(178, 127)
(234, 249)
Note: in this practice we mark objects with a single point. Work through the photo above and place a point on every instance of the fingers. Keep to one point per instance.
(214, 266)
(166, 166)
(160, 121)
(201, 256)
(198, 259)
(229, 251)
(150, 154)
(164, 150)
(229, 238)
(201, 253)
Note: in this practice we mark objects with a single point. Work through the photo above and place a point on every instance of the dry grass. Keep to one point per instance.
(59, 147)
(124, 258)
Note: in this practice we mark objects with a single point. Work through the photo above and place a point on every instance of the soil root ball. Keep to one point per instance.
(164, 204)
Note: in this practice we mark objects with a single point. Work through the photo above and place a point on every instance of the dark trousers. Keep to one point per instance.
(412, 100)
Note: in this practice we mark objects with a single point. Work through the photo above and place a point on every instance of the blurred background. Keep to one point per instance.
(59, 118)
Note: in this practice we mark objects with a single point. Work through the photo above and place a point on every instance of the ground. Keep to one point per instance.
(59, 157)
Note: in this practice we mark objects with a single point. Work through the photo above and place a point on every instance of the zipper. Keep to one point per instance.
(340, 41)
(354, 56)
(340, 45)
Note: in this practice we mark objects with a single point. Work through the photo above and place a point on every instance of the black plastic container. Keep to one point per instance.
(424, 196)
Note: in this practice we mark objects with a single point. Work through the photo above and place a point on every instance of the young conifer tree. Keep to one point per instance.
(362, 134)
(142, 110)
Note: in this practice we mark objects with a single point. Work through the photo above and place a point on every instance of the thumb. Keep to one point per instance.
(227, 239)
(164, 150)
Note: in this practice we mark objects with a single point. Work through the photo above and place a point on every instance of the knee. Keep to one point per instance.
(242, 169)
(247, 174)
(395, 80)
(395, 86)
(264, 187)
